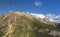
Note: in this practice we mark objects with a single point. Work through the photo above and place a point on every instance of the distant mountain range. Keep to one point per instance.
(18, 24)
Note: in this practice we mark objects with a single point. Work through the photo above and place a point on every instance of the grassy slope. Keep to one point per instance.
(24, 27)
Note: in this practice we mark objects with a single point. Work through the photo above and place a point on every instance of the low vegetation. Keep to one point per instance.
(21, 26)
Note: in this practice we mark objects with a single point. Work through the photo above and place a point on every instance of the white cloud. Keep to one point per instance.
(51, 17)
(38, 3)
(27, 12)
(58, 16)
(38, 15)
(51, 20)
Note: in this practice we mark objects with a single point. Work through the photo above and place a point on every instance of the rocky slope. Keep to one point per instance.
(17, 24)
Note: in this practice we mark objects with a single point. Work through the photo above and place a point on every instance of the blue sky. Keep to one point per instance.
(40, 8)
(45, 6)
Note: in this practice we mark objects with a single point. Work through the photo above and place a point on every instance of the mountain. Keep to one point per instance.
(18, 24)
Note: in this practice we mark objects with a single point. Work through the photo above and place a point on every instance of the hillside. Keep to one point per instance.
(17, 24)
